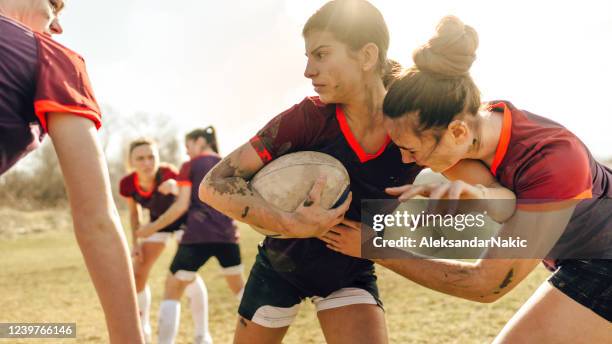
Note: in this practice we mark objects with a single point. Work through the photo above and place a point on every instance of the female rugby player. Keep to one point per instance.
(346, 46)
(208, 233)
(153, 186)
(44, 89)
(563, 196)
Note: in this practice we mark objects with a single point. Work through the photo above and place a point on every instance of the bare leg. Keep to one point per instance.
(248, 332)
(235, 283)
(549, 316)
(353, 324)
(151, 252)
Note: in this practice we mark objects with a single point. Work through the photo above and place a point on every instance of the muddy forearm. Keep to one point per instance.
(456, 278)
(234, 197)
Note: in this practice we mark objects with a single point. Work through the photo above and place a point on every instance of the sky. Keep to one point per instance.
(235, 64)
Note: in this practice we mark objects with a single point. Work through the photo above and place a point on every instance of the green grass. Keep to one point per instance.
(43, 279)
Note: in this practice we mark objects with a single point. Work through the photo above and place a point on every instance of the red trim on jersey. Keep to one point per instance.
(184, 183)
(261, 150)
(352, 141)
(586, 194)
(504, 138)
(43, 107)
(140, 191)
(549, 206)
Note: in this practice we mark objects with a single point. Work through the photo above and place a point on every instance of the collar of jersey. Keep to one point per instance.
(352, 141)
(140, 191)
(504, 137)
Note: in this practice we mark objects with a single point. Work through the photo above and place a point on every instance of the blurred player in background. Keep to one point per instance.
(208, 233)
(153, 186)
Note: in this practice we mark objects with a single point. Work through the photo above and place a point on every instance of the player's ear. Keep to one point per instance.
(368, 56)
(459, 131)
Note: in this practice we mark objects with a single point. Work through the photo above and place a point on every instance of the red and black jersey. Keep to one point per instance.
(37, 76)
(544, 163)
(156, 202)
(204, 223)
(314, 126)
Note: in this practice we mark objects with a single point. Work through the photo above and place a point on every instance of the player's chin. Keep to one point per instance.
(326, 98)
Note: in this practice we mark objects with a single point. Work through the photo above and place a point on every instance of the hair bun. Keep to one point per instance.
(451, 51)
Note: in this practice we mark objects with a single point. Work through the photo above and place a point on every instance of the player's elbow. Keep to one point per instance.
(488, 291)
(486, 297)
(484, 287)
(90, 228)
(208, 192)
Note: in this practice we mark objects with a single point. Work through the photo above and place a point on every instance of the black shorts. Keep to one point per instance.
(272, 301)
(191, 257)
(588, 282)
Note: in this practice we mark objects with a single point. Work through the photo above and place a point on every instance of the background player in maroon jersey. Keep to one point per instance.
(563, 195)
(346, 46)
(208, 233)
(153, 186)
(44, 89)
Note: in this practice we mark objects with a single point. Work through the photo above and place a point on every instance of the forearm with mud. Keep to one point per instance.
(461, 279)
(235, 198)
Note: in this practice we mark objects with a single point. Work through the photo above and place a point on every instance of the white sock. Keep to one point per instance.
(198, 300)
(144, 308)
(169, 317)
(239, 295)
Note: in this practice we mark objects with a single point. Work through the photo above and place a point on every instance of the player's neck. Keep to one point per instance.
(204, 151)
(145, 181)
(364, 111)
(490, 133)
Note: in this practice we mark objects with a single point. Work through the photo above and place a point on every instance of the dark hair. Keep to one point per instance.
(439, 86)
(207, 133)
(355, 23)
(143, 141)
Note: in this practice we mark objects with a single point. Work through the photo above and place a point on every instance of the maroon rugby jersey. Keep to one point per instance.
(204, 223)
(544, 163)
(156, 202)
(314, 126)
(37, 76)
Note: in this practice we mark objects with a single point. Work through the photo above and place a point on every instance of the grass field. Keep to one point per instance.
(43, 279)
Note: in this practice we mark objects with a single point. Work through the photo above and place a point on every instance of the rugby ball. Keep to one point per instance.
(286, 182)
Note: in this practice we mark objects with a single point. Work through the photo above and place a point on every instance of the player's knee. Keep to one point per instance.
(184, 276)
(177, 282)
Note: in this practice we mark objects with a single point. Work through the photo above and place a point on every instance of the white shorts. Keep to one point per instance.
(275, 317)
(163, 237)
